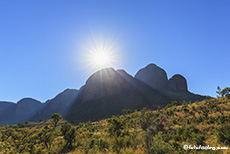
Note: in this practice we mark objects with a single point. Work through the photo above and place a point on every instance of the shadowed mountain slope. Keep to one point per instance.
(6, 112)
(11, 113)
(59, 104)
(175, 88)
(28, 109)
(107, 92)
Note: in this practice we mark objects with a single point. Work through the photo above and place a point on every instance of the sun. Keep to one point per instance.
(101, 53)
(101, 59)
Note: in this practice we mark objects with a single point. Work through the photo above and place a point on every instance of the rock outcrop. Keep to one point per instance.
(153, 76)
(177, 82)
(156, 77)
(175, 88)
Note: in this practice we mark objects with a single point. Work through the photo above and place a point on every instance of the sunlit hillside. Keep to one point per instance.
(164, 130)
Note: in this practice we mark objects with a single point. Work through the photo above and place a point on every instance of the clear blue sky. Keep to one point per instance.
(40, 42)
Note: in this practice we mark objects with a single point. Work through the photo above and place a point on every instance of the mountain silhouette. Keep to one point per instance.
(59, 104)
(175, 88)
(106, 92)
(11, 113)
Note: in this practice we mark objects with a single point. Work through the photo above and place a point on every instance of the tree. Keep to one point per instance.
(224, 92)
(115, 129)
(128, 111)
(69, 133)
(222, 133)
(218, 91)
(146, 118)
(116, 126)
(46, 136)
(56, 117)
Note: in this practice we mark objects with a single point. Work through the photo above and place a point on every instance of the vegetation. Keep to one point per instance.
(161, 131)
(223, 93)
(56, 117)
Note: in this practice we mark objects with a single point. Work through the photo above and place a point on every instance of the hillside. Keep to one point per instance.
(164, 130)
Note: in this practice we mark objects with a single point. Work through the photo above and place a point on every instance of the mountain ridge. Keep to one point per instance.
(105, 93)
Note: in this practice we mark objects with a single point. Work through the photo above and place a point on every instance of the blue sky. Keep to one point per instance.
(40, 42)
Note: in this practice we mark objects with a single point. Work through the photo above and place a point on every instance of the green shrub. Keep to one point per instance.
(102, 145)
(159, 146)
(199, 139)
(69, 133)
(223, 134)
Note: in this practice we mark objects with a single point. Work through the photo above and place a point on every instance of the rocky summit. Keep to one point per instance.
(177, 82)
(175, 88)
(153, 76)
(156, 77)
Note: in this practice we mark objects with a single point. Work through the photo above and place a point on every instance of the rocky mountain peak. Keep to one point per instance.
(177, 82)
(153, 76)
(102, 76)
(27, 105)
(156, 77)
(102, 83)
(27, 101)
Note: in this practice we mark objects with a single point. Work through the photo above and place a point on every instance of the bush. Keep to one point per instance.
(102, 145)
(159, 146)
(117, 144)
(69, 134)
(199, 139)
(173, 103)
(56, 117)
(223, 134)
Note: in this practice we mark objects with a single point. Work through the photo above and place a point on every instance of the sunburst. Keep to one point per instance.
(100, 53)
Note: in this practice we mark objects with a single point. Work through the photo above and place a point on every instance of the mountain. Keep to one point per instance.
(177, 83)
(153, 76)
(175, 88)
(11, 113)
(107, 92)
(6, 112)
(29, 109)
(59, 104)
(26, 108)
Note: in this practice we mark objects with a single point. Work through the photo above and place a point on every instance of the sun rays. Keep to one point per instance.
(100, 53)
